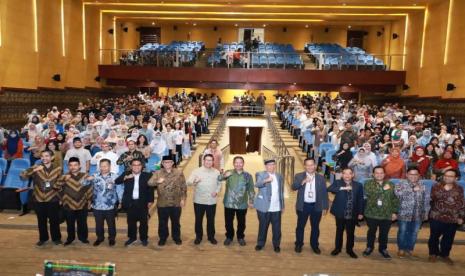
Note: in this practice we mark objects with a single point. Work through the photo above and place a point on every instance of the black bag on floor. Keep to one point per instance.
(9, 199)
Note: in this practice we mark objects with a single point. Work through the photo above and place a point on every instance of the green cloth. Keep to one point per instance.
(239, 190)
(389, 201)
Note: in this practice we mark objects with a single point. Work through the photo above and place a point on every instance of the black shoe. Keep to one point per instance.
(335, 252)
(145, 242)
(57, 242)
(97, 242)
(316, 250)
(213, 241)
(241, 242)
(352, 254)
(227, 241)
(298, 248)
(385, 254)
(197, 241)
(277, 249)
(129, 242)
(40, 243)
(85, 241)
(67, 242)
(367, 252)
(161, 242)
(178, 242)
(111, 242)
(23, 213)
(258, 248)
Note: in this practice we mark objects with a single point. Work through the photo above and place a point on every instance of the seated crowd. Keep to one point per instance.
(406, 166)
(117, 129)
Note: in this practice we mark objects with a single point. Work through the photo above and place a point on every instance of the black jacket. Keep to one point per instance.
(146, 193)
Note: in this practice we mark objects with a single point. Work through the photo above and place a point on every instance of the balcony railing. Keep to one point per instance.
(251, 60)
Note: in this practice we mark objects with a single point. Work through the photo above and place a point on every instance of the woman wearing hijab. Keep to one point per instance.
(446, 163)
(425, 138)
(394, 165)
(343, 156)
(13, 146)
(158, 145)
(361, 165)
(36, 148)
(420, 161)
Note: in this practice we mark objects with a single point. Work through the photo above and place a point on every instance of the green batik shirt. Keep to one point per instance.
(239, 190)
(380, 203)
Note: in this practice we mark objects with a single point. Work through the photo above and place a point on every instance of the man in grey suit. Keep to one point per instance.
(312, 201)
(269, 204)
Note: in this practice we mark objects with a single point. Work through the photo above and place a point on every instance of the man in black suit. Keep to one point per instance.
(312, 201)
(347, 208)
(137, 199)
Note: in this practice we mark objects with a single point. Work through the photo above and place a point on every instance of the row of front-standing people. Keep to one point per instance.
(408, 202)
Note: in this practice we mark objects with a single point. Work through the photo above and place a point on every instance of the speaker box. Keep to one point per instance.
(56, 77)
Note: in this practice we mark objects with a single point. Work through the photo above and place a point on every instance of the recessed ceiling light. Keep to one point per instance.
(306, 26)
(294, 83)
(153, 23)
(236, 25)
(349, 27)
(350, 84)
(195, 24)
(344, 4)
(264, 25)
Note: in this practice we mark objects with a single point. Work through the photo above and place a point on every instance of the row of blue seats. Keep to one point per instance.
(195, 46)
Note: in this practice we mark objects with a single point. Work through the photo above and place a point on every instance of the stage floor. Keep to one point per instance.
(19, 256)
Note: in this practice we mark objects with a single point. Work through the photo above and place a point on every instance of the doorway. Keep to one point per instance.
(244, 140)
(355, 39)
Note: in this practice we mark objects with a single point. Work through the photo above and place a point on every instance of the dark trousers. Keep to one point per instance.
(100, 217)
(137, 212)
(447, 231)
(78, 217)
(229, 215)
(174, 215)
(48, 211)
(349, 226)
(383, 226)
(200, 210)
(178, 153)
(302, 218)
(264, 220)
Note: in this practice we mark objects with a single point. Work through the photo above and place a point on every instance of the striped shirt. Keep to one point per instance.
(75, 192)
(43, 182)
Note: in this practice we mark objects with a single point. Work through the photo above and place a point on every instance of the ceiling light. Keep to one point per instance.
(350, 84)
(235, 25)
(195, 24)
(264, 25)
(153, 23)
(306, 26)
(350, 27)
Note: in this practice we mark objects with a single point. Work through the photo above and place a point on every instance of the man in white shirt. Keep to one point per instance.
(81, 153)
(106, 153)
(269, 204)
(207, 187)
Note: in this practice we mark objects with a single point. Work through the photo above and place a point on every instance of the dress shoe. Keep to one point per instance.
(335, 252)
(385, 254)
(197, 241)
(40, 243)
(178, 242)
(111, 242)
(161, 242)
(447, 260)
(298, 248)
(57, 242)
(367, 252)
(277, 249)
(227, 242)
(144, 242)
(258, 248)
(432, 258)
(67, 242)
(129, 242)
(352, 254)
(213, 241)
(316, 250)
(97, 242)
(85, 241)
(241, 242)
(401, 254)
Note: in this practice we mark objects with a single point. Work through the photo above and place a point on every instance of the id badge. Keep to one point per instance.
(310, 194)
(380, 203)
